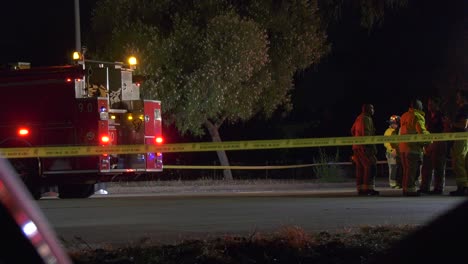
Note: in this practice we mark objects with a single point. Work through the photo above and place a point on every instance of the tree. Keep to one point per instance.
(213, 62)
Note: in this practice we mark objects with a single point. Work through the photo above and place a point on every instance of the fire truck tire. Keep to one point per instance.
(28, 171)
(67, 191)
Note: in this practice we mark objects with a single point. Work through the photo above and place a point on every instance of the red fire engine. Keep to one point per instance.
(89, 103)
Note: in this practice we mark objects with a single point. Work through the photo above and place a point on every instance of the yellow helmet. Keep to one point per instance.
(394, 119)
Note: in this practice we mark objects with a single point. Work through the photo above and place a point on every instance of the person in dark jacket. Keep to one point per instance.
(365, 155)
(435, 154)
(460, 147)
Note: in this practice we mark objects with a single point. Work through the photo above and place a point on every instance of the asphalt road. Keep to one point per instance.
(134, 219)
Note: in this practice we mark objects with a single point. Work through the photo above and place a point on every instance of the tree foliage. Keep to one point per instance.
(213, 61)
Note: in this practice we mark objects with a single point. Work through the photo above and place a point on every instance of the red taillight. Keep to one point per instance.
(105, 139)
(22, 132)
(159, 140)
(68, 80)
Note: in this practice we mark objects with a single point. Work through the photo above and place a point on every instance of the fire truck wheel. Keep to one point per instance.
(28, 170)
(67, 191)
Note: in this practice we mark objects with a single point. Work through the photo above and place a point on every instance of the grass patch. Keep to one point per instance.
(288, 245)
(326, 170)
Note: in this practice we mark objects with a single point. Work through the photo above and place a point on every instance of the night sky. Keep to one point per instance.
(39, 32)
(417, 51)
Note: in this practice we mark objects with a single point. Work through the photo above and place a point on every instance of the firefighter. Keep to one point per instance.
(460, 147)
(412, 122)
(392, 155)
(365, 155)
(435, 154)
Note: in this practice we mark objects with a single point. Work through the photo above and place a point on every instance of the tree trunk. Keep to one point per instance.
(223, 159)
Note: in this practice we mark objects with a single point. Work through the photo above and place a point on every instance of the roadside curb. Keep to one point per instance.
(237, 187)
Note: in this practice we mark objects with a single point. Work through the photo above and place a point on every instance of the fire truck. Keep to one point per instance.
(87, 103)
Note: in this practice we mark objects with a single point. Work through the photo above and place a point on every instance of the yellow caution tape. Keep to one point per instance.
(266, 167)
(272, 167)
(66, 151)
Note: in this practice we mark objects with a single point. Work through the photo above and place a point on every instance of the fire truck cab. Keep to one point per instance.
(89, 103)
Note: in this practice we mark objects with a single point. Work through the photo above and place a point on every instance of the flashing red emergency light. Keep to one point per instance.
(22, 132)
(159, 140)
(68, 80)
(105, 139)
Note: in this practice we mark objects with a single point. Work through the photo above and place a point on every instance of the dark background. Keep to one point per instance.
(418, 51)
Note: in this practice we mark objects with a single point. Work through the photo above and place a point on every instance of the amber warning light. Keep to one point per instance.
(22, 132)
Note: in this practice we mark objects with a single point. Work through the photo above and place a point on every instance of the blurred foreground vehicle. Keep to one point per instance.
(26, 234)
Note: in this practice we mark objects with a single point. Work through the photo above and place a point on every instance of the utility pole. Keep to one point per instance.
(77, 26)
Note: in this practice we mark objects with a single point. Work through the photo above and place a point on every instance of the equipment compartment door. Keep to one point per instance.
(153, 131)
